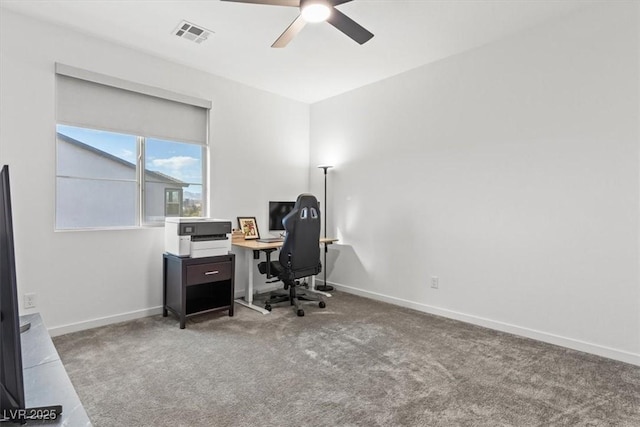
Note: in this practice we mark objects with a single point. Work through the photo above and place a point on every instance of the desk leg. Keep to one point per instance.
(249, 290)
(248, 294)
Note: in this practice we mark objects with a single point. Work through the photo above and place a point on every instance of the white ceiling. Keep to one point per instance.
(320, 62)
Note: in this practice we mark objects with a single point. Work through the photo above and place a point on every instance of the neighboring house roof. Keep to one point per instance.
(94, 150)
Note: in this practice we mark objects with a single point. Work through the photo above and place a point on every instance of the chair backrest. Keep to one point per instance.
(300, 253)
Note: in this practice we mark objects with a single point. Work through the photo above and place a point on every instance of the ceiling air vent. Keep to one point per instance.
(192, 32)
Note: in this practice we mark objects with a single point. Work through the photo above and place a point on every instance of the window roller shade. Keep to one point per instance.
(96, 101)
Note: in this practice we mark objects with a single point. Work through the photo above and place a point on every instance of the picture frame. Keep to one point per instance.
(249, 226)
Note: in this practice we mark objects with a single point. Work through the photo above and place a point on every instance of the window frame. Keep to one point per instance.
(140, 180)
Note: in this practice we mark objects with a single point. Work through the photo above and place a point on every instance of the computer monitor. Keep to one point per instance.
(277, 212)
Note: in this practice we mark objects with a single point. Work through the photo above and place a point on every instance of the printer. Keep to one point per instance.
(197, 237)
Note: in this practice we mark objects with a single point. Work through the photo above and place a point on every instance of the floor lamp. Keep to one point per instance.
(324, 287)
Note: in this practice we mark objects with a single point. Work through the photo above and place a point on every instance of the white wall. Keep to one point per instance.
(510, 172)
(259, 151)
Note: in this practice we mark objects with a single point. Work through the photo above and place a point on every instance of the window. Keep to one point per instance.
(172, 202)
(99, 184)
(167, 161)
(127, 154)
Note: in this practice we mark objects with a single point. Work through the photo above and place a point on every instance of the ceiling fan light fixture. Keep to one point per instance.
(315, 12)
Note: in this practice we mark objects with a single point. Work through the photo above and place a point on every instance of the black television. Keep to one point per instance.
(13, 405)
(11, 380)
(277, 212)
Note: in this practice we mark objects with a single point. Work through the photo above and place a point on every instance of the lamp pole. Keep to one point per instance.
(324, 287)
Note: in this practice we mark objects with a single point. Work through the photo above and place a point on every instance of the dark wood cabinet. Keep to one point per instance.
(197, 285)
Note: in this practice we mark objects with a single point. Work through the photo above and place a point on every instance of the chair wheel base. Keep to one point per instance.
(322, 304)
(300, 312)
(267, 307)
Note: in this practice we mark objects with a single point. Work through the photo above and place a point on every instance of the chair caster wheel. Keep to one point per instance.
(322, 304)
(267, 307)
(300, 313)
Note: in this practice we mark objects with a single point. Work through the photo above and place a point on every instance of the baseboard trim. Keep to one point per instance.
(103, 321)
(573, 344)
(123, 317)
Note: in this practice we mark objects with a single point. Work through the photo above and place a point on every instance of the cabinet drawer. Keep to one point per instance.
(211, 272)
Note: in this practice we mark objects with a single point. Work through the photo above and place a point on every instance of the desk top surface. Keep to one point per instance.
(257, 246)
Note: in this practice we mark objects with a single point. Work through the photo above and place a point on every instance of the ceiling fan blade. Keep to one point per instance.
(348, 26)
(288, 35)
(337, 2)
(294, 3)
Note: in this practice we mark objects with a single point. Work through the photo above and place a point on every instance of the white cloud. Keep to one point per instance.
(175, 163)
(127, 155)
(184, 168)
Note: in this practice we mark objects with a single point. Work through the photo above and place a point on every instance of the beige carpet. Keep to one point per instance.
(356, 363)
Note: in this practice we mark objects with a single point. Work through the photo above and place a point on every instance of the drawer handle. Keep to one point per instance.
(209, 273)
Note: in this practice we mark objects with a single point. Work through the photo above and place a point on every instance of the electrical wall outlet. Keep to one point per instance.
(30, 300)
(435, 282)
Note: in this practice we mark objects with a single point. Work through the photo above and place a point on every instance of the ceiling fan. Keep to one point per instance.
(316, 11)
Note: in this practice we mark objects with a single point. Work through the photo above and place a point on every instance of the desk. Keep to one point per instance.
(257, 247)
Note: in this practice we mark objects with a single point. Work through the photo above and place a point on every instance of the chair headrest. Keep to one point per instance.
(306, 201)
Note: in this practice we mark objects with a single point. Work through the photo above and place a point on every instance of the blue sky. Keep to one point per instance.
(178, 160)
